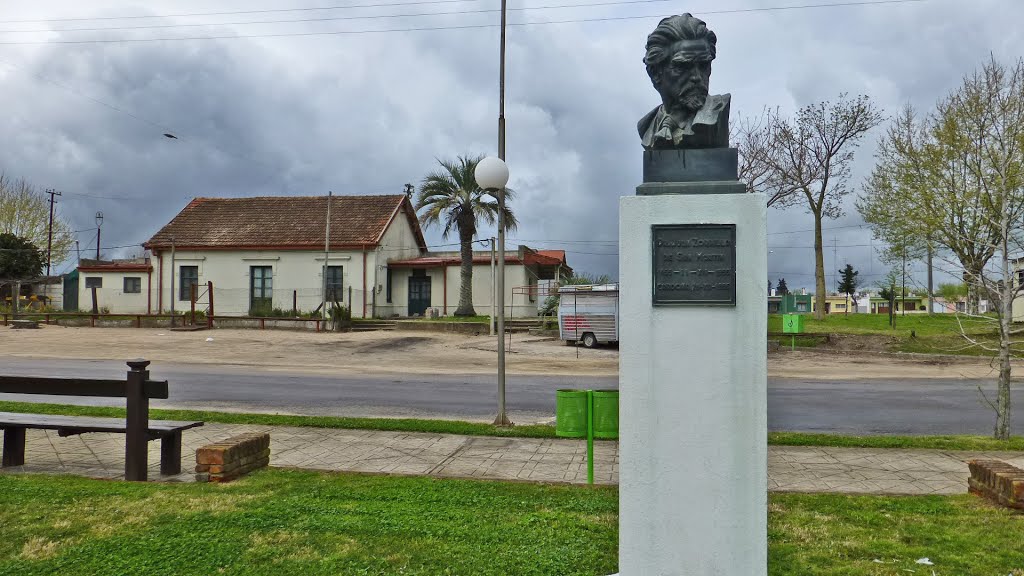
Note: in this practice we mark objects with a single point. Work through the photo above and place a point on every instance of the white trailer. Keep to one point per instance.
(588, 314)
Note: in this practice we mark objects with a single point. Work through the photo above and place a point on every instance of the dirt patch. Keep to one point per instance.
(325, 352)
(848, 357)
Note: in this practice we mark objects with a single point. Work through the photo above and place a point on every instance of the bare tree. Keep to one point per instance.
(752, 139)
(809, 158)
(25, 212)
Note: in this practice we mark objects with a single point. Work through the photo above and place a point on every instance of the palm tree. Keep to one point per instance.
(451, 196)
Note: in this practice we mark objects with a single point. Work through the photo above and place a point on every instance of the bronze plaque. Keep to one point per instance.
(694, 264)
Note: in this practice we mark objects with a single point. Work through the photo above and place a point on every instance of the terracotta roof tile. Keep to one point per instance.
(285, 222)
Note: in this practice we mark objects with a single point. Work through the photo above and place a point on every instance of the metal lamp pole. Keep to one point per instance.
(492, 175)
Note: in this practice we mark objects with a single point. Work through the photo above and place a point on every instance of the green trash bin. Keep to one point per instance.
(606, 413)
(571, 413)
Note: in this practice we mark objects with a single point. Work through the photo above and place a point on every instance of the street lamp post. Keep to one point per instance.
(492, 175)
(99, 228)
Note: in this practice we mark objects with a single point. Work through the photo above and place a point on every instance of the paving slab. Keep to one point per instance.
(790, 468)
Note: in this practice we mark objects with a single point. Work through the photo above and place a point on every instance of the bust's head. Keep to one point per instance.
(678, 59)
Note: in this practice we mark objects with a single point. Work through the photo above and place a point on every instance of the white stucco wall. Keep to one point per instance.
(515, 275)
(295, 274)
(112, 294)
(693, 405)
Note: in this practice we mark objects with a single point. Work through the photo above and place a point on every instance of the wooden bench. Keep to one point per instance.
(137, 427)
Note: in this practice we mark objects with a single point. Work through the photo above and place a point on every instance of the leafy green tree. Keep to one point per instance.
(957, 178)
(451, 198)
(20, 259)
(848, 283)
(952, 292)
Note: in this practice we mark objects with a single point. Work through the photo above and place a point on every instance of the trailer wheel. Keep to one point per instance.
(589, 340)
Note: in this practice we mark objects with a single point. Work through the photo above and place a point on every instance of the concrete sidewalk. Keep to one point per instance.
(800, 469)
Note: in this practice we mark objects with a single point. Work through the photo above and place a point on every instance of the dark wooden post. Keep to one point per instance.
(209, 314)
(295, 302)
(192, 296)
(95, 308)
(136, 461)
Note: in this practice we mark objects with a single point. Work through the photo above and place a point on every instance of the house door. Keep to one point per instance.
(71, 292)
(261, 290)
(419, 295)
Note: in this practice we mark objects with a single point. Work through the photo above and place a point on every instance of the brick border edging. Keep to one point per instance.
(233, 457)
(998, 481)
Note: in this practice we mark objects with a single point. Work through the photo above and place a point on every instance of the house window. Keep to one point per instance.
(334, 284)
(801, 306)
(94, 282)
(261, 290)
(189, 276)
(840, 306)
(132, 285)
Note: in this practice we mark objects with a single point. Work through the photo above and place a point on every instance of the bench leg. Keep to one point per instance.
(170, 454)
(14, 447)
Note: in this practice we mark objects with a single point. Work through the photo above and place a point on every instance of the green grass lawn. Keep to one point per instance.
(281, 522)
(918, 333)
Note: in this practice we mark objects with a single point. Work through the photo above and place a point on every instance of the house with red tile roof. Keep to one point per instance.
(266, 253)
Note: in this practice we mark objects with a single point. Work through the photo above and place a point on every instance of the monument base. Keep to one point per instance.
(693, 403)
(716, 187)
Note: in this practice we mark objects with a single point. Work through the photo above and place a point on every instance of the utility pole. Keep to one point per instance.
(49, 245)
(931, 293)
(49, 238)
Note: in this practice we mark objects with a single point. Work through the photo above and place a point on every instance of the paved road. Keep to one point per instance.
(872, 406)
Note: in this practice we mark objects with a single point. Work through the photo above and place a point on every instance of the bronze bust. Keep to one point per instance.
(678, 60)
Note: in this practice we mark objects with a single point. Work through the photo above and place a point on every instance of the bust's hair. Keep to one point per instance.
(671, 30)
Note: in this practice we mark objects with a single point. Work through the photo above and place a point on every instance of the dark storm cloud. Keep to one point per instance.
(368, 113)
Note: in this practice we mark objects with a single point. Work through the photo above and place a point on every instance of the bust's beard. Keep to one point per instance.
(687, 103)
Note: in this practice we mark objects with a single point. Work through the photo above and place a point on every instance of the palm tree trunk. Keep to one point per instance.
(466, 272)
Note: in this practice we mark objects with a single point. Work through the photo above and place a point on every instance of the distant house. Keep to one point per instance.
(124, 286)
(266, 253)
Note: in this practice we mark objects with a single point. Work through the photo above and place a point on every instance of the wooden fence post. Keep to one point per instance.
(136, 455)
(193, 294)
(209, 313)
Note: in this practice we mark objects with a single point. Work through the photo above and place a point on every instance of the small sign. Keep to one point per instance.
(792, 324)
(694, 264)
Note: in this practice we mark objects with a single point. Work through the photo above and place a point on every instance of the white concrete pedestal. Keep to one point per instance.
(693, 406)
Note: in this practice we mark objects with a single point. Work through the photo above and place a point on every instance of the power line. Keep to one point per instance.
(336, 18)
(456, 27)
(235, 12)
(823, 229)
(418, 3)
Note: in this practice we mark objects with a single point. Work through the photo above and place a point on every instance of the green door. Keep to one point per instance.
(419, 295)
(261, 290)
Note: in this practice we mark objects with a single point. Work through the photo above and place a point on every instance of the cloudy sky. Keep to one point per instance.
(361, 100)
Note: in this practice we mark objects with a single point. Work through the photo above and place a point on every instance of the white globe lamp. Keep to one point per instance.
(491, 173)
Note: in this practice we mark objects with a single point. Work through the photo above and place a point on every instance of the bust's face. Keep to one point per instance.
(686, 76)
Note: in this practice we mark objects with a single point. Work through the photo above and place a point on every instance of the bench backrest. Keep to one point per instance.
(89, 387)
(77, 387)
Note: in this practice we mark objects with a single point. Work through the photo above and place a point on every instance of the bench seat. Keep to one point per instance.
(14, 425)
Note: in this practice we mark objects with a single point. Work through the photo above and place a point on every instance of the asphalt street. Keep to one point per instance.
(869, 406)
